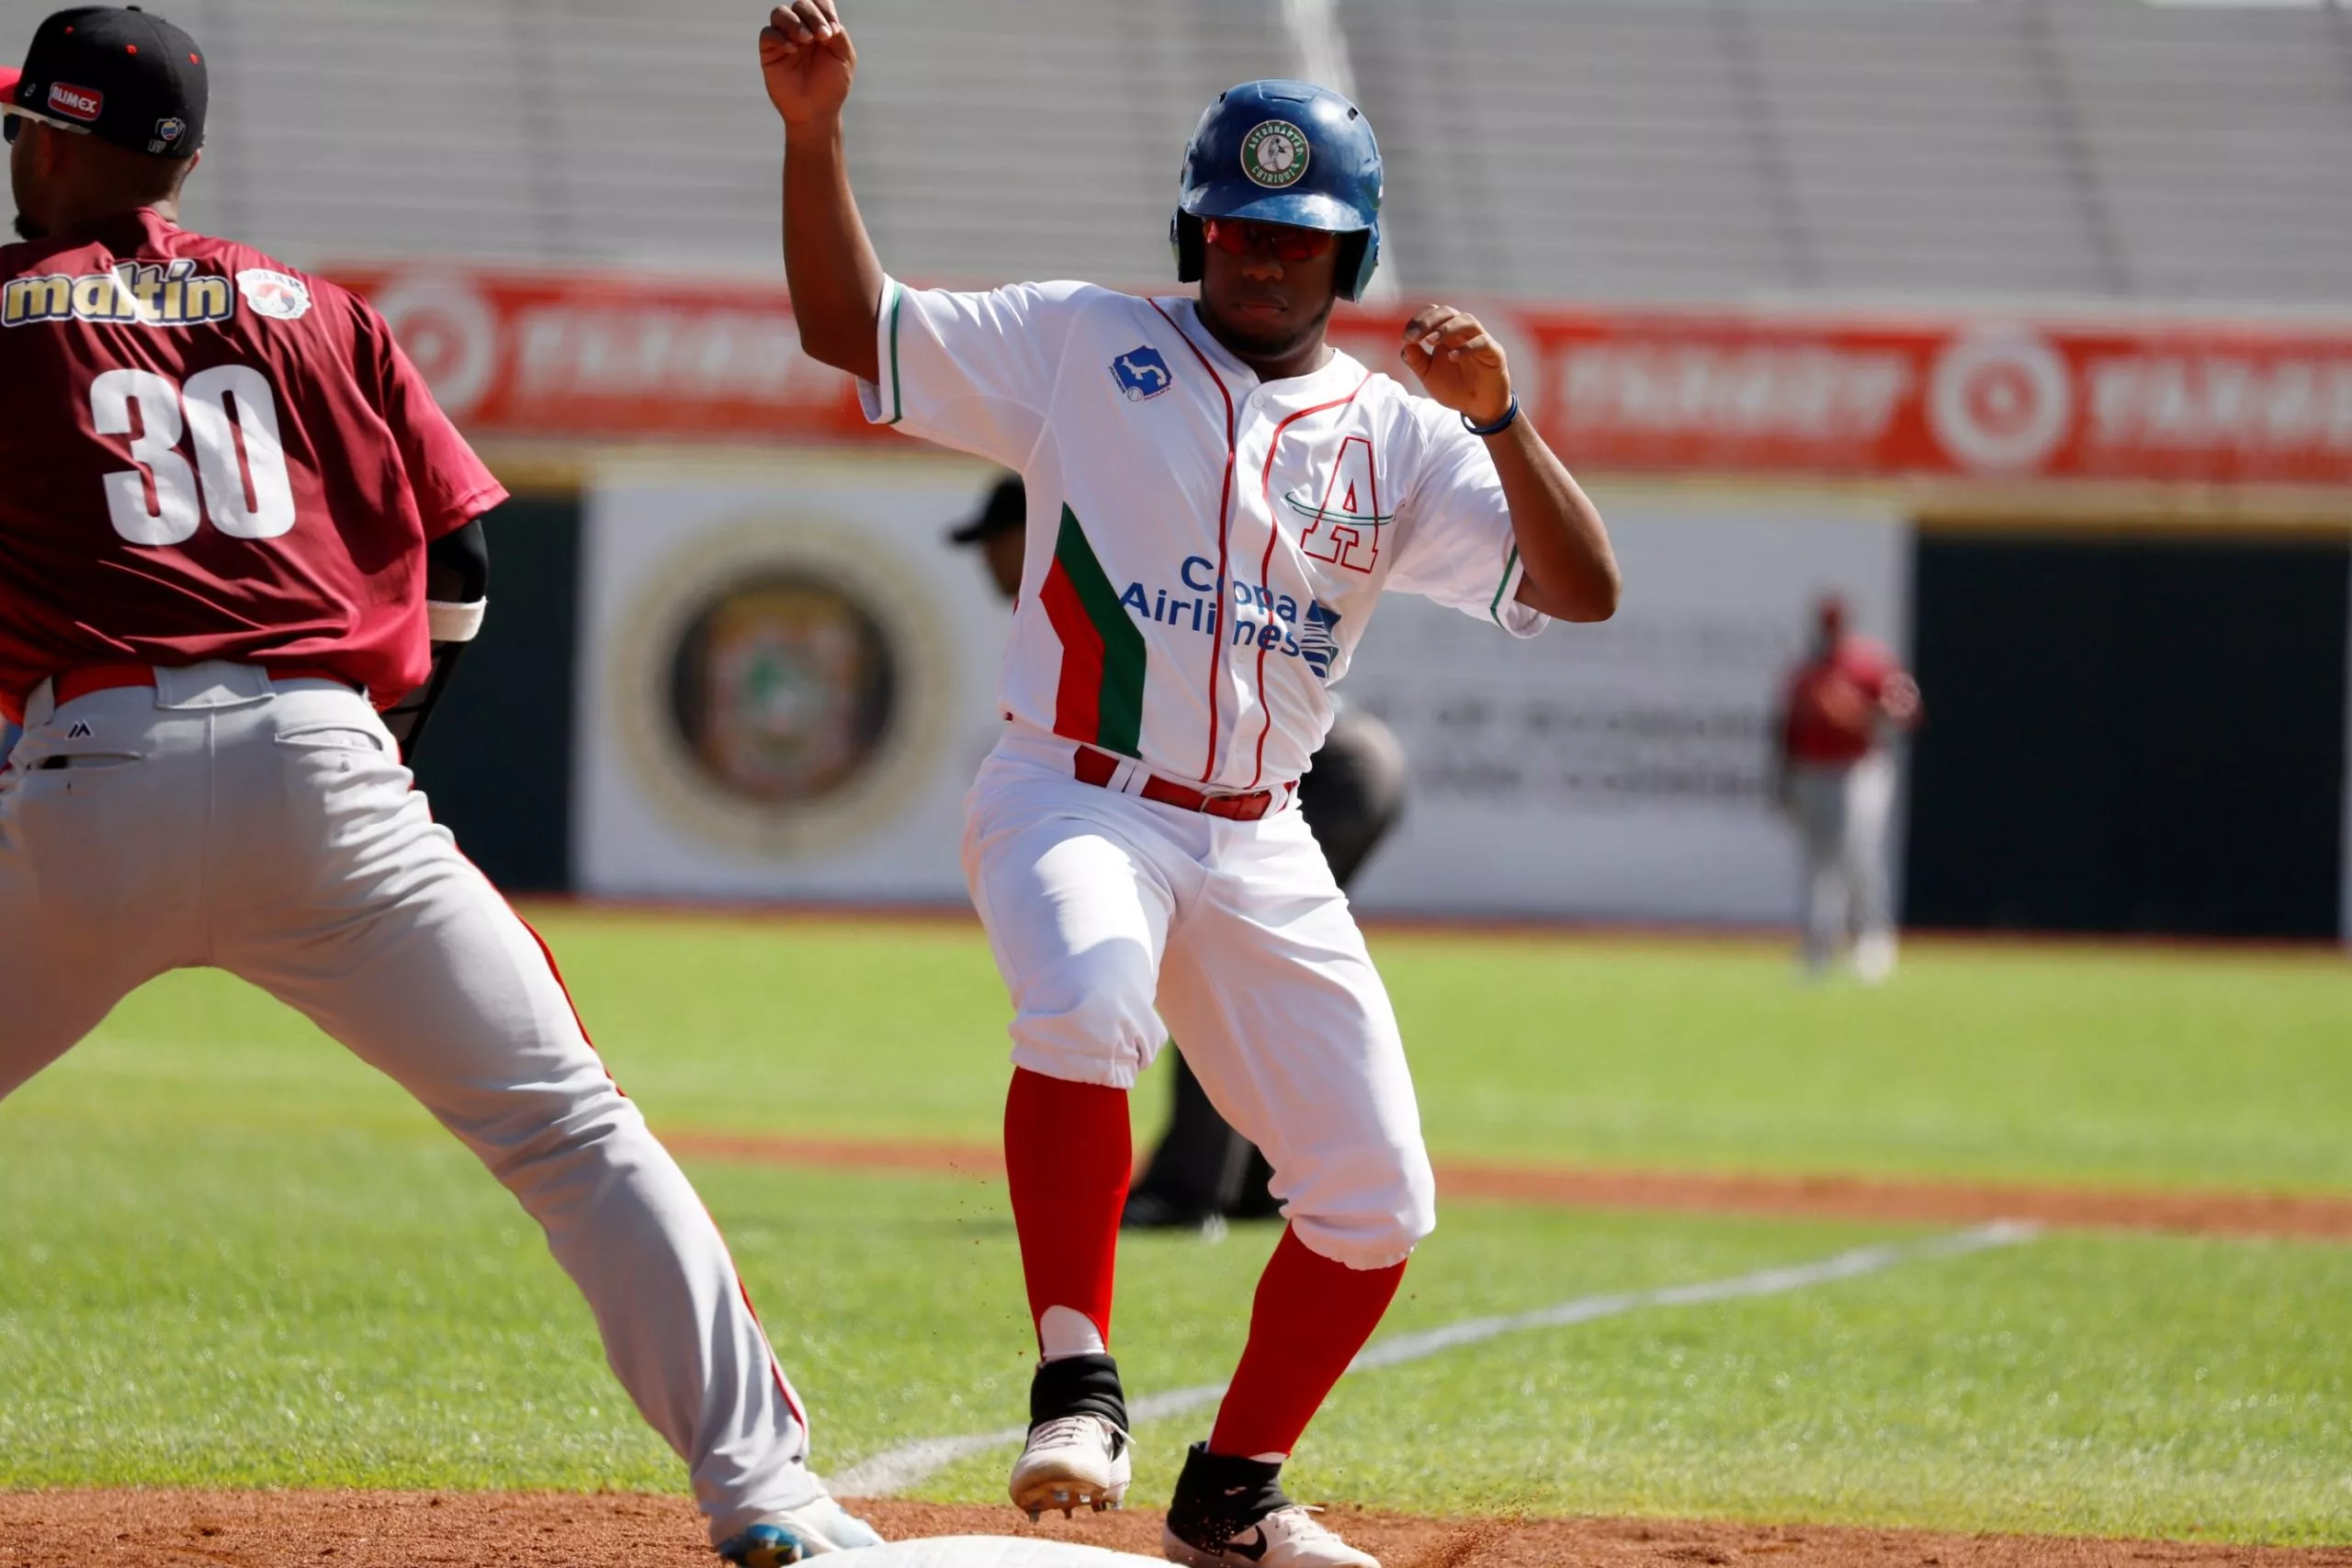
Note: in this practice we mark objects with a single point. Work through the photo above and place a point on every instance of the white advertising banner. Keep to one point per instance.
(1621, 772)
(788, 679)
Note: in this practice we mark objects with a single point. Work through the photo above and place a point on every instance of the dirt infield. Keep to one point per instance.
(2315, 1216)
(409, 1529)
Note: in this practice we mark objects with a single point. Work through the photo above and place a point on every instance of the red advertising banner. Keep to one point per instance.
(599, 356)
(2009, 398)
(613, 356)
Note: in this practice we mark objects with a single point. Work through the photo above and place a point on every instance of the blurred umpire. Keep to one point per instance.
(1204, 1172)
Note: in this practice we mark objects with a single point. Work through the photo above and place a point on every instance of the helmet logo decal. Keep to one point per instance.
(1274, 154)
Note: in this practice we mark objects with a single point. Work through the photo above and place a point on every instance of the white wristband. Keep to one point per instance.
(455, 622)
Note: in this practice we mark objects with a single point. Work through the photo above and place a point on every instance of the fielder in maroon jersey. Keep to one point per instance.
(233, 529)
(1845, 706)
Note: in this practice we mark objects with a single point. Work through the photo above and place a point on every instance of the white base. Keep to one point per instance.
(982, 1552)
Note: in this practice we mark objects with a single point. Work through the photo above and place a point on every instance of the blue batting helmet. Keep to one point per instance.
(1282, 152)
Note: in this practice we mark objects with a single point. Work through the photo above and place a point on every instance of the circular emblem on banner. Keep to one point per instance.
(781, 687)
(1274, 154)
(451, 333)
(2000, 398)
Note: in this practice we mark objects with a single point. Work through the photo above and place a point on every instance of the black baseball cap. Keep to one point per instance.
(116, 72)
(1006, 507)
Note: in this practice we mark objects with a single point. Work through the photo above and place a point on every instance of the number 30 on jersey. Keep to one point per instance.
(230, 416)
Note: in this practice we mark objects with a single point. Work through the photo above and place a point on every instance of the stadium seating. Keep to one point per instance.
(1715, 150)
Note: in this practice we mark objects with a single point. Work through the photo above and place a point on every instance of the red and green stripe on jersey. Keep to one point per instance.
(1099, 700)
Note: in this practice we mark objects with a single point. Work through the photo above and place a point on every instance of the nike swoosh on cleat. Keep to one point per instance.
(1252, 1549)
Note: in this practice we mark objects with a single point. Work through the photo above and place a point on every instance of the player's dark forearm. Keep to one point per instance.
(456, 566)
(828, 262)
(1571, 572)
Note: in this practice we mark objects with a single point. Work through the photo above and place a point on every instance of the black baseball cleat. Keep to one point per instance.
(1148, 1210)
(1232, 1513)
(1077, 1452)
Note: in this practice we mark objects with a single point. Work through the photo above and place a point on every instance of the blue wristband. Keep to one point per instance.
(1499, 425)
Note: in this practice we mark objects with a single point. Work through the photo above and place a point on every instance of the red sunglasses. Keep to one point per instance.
(1238, 238)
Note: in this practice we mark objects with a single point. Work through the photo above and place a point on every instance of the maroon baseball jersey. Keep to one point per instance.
(1833, 703)
(206, 454)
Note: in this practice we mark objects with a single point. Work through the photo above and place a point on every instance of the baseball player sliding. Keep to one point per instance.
(1218, 500)
(234, 526)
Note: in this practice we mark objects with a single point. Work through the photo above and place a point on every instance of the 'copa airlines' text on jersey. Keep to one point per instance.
(1203, 547)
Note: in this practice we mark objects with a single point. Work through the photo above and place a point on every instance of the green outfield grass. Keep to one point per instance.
(2136, 1068)
(233, 1255)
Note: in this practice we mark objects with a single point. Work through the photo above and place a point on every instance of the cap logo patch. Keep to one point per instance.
(170, 129)
(277, 295)
(1274, 154)
(75, 103)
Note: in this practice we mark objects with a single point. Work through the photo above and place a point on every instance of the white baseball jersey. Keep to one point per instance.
(1203, 547)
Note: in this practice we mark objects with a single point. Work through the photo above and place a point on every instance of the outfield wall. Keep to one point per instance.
(2131, 730)
(787, 681)
(750, 668)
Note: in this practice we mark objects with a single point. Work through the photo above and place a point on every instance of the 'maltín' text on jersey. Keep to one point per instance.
(173, 294)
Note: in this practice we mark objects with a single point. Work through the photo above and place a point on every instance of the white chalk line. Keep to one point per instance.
(895, 1469)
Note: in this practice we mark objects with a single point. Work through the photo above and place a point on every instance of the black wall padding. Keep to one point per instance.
(496, 761)
(2129, 734)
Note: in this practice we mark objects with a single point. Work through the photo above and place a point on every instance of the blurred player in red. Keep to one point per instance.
(1845, 705)
(239, 547)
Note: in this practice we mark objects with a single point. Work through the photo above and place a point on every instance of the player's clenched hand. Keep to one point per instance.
(806, 55)
(1899, 699)
(1459, 362)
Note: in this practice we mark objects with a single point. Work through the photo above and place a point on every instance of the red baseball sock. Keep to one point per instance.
(1312, 1316)
(1066, 1157)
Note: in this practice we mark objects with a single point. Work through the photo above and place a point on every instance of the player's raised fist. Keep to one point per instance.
(808, 59)
(1459, 363)
(1899, 699)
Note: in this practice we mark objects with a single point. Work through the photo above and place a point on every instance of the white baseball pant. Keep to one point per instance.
(1108, 912)
(1842, 814)
(269, 829)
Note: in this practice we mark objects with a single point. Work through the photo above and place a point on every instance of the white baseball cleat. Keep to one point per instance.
(1874, 958)
(1287, 1538)
(1230, 1512)
(1073, 1461)
(812, 1529)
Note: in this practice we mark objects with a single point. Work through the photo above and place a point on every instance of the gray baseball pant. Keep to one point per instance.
(269, 829)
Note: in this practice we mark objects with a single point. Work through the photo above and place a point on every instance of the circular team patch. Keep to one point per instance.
(1274, 154)
(273, 294)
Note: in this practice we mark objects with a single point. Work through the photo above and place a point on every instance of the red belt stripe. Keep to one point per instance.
(1099, 768)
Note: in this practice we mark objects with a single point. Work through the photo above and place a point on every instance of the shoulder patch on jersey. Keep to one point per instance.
(1141, 373)
(277, 295)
